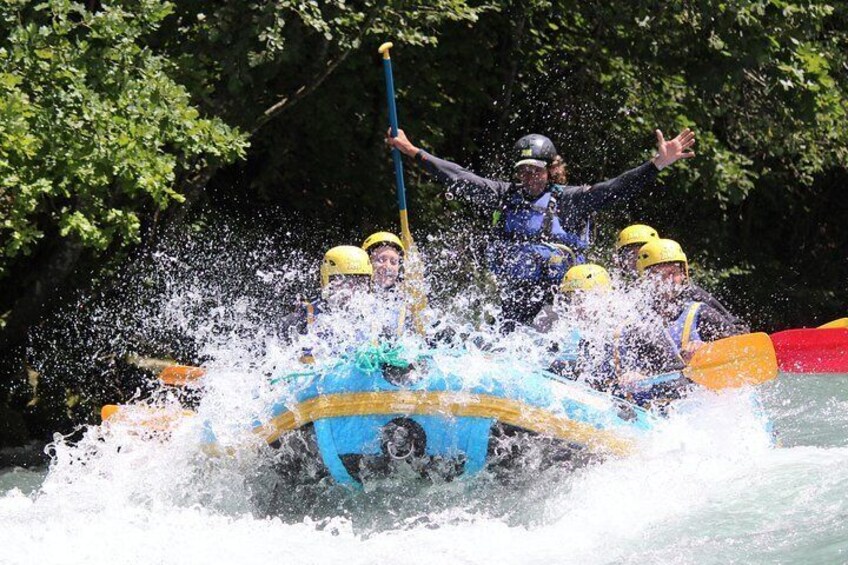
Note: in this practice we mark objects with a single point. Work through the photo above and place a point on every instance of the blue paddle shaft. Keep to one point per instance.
(393, 120)
(655, 380)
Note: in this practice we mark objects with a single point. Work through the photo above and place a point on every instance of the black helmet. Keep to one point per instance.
(534, 149)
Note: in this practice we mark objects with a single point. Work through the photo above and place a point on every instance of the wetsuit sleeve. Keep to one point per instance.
(698, 294)
(713, 325)
(580, 201)
(481, 192)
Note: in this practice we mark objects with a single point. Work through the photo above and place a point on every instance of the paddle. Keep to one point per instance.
(840, 323)
(812, 350)
(733, 362)
(413, 267)
(148, 417)
(180, 375)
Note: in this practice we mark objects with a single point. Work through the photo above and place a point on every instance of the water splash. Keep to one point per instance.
(707, 487)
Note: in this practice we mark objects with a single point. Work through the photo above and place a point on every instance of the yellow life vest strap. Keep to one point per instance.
(688, 323)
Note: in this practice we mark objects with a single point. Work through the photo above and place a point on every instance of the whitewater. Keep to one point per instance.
(753, 476)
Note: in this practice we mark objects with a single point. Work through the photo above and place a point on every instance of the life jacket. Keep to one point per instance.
(532, 244)
(684, 329)
(536, 221)
(311, 311)
(681, 331)
(392, 324)
(652, 393)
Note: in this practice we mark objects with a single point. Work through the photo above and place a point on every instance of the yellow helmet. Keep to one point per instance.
(637, 233)
(344, 260)
(660, 251)
(586, 277)
(383, 238)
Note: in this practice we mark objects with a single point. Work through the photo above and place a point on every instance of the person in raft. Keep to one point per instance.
(574, 356)
(686, 324)
(659, 346)
(386, 252)
(345, 273)
(627, 246)
(540, 226)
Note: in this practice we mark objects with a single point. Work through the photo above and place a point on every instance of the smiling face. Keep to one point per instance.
(385, 259)
(533, 179)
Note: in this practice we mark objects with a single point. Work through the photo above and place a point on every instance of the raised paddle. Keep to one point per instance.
(412, 265)
(812, 350)
(840, 323)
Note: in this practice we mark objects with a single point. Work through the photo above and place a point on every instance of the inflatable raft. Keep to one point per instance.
(373, 415)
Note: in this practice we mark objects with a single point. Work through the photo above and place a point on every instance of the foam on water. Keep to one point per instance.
(709, 487)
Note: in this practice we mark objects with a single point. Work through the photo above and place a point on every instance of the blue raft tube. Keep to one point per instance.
(374, 413)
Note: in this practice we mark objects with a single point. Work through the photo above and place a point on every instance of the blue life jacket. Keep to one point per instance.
(684, 329)
(537, 221)
(542, 262)
(533, 245)
(681, 331)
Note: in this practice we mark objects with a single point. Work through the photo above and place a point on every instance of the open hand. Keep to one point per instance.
(670, 151)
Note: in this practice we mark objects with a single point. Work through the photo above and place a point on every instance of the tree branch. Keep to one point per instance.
(305, 90)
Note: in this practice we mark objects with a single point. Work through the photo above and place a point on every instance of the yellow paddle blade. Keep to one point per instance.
(840, 323)
(180, 375)
(734, 362)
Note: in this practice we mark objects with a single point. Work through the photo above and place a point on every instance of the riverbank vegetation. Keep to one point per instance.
(121, 121)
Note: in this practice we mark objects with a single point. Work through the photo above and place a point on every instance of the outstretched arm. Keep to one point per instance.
(482, 192)
(584, 200)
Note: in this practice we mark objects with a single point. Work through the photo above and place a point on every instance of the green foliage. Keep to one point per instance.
(94, 132)
(759, 80)
(246, 57)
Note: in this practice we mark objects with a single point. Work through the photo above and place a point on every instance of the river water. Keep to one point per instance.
(709, 487)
